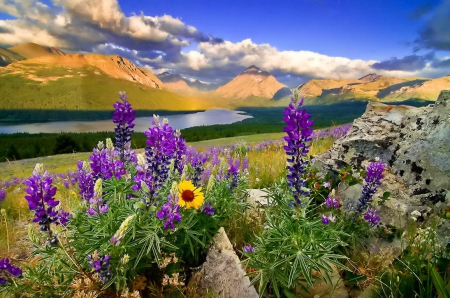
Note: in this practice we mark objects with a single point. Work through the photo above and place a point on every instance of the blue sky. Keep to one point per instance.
(215, 40)
(354, 29)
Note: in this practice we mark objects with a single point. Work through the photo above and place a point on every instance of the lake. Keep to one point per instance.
(181, 121)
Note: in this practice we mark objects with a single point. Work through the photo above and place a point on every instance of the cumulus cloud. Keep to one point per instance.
(435, 34)
(84, 24)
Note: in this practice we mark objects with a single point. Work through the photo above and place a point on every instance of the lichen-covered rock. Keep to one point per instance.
(222, 272)
(413, 142)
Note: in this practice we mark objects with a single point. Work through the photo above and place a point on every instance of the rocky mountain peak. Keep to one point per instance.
(255, 70)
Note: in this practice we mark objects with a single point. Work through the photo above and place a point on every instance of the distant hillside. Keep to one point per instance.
(175, 82)
(53, 80)
(373, 87)
(252, 82)
(31, 50)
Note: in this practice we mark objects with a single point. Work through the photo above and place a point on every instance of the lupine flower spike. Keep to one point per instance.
(123, 117)
(41, 199)
(373, 180)
(299, 129)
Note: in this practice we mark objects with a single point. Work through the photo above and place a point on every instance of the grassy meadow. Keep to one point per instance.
(267, 163)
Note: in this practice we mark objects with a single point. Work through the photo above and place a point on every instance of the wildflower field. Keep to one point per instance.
(121, 222)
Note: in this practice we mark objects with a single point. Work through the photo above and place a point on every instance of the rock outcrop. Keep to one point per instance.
(414, 143)
(222, 273)
(371, 77)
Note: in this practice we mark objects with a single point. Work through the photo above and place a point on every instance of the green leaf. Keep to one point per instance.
(439, 283)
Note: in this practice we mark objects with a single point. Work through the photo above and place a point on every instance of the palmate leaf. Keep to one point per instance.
(151, 243)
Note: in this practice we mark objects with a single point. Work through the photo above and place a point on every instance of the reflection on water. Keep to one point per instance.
(210, 117)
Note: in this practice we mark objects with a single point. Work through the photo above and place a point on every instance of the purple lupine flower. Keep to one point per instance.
(85, 180)
(325, 219)
(97, 205)
(326, 184)
(160, 150)
(64, 217)
(7, 269)
(215, 160)
(123, 117)
(180, 151)
(170, 212)
(100, 264)
(106, 164)
(208, 209)
(371, 216)
(245, 164)
(298, 129)
(373, 180)
(331, 201)
(248, 249)
(205, 176)
(233, 172)
(2, 194)
(66, 183)
(40, 197)
(130, 154)
(196, 160)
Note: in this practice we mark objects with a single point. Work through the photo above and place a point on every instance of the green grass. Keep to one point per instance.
(55, 164)
(251, 139)
(68, 162)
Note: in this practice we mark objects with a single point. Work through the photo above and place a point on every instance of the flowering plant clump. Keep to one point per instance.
(134, 211)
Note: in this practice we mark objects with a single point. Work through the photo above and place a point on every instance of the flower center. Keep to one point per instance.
(187, 195)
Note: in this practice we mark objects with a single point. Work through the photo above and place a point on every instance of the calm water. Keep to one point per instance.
(210, 117)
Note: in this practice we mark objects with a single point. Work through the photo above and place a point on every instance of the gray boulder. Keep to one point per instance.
(413, 142)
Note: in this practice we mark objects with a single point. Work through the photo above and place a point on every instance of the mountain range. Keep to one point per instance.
(177, 83)
(374, 87)
(38, 77)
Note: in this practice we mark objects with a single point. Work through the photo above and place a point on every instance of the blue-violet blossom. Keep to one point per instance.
(123, 117)
(373, 180)
(299, 129)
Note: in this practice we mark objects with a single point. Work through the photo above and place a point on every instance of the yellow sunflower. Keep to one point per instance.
(189, 195)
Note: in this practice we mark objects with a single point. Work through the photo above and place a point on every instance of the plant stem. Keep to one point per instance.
(6, 226)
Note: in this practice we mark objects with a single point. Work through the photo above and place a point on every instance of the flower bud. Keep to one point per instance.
(174, 189)
(109, 144)
(100, 145)
(145, 187)
(98, 187)
(210, 185)
(38, 169)
(141, 159)
(125, 259)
